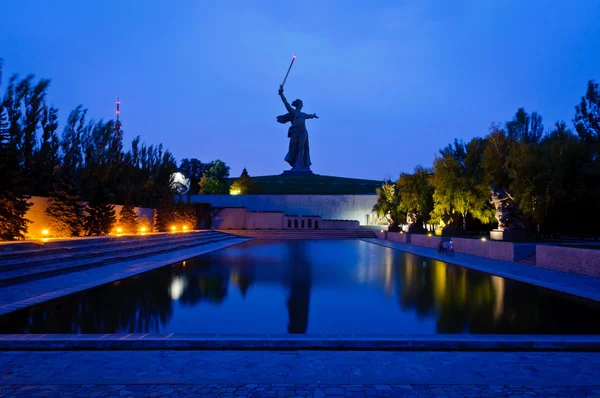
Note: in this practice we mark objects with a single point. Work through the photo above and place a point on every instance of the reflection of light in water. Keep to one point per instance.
(235, 277)
(498, 285)
(177, 285)
(439, 280)
(388, 272)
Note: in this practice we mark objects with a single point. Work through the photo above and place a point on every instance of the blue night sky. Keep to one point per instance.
(392, 81)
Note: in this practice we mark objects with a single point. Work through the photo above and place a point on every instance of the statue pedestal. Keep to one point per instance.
(304, 172)
(511, 235)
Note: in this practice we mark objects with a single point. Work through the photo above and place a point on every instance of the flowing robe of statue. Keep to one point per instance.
(298, 155)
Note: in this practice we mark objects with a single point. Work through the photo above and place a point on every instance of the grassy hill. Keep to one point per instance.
(313, 185)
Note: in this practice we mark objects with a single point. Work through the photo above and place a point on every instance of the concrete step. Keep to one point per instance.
(304, 234)
(43, 258)
(111, 250)
(34, 273)
(74, 245)
(529, 260)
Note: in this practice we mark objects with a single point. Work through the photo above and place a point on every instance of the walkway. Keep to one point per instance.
(27, 294)
(579, 285)
(297, 390)
(300, 373)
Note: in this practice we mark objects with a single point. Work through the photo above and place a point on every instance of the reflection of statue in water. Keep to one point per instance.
(299, 301)
(507, 212)
(298, 155)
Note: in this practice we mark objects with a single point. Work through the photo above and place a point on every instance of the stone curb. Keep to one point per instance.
(316, 342)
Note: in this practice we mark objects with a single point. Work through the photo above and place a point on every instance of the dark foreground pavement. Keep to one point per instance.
(298, 373)
(299, 390)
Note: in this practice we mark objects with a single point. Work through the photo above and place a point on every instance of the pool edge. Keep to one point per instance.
(41, 342)
(582, 292)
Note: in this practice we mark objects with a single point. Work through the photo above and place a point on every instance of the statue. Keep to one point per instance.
(507, 212)
(179, 183)
(411, 218)
(298, 155)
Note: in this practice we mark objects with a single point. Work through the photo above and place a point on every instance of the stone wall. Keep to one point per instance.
(569, 259)
(506, 251)
(302, 222)
(332, 207)
(425, 240)
(264, 220)
(239, 218)
(490, 249)
(40, 221)
(398, 237)
(230, 218)
(340, 224)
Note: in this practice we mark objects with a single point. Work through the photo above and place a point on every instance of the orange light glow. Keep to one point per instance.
(173, 228)
(185, 227)
(143, 229)
(45, 232)
(119, 230)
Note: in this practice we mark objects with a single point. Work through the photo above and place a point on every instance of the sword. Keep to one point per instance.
(288, 71)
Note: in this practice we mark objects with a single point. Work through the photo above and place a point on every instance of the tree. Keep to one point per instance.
(459, 185)
(100, 217)
(493, 161)
(71, 143)
(165, 215)
(144, 224)
(13, 198)
(416, 195)
(128, 219)
(525, 128)
(65, 209)
(243, 185)
(388, 200)
(561, 152)
(193, 169)
(185, 215)
(587, 125)
(528, 180)
(47, 159)
(217, 169)
(34, 101)
(211, 185)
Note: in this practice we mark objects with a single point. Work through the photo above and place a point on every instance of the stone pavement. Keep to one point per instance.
(578, 285)
(298, 373)
(27, 294)
(299, 390)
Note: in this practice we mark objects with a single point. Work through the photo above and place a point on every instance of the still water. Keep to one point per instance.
(311, 286)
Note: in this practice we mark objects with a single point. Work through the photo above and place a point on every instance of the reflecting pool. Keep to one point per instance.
(311, 286)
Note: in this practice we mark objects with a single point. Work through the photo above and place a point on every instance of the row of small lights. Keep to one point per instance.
(429, 234)
(46, 232)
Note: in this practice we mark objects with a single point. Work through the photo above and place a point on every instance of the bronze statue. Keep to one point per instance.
(298, 155)
(507, 211)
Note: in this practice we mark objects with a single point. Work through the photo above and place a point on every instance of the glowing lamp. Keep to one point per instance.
(119, 230)
(173, 228)
(235, 191)
(143, 229)
(185, 227)
(428, 234)
(483, 239)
